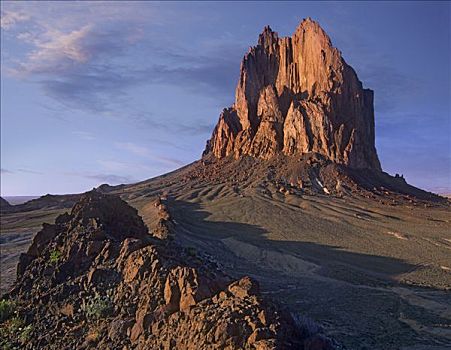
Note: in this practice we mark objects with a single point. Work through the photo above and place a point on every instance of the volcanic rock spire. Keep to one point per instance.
(297, 95)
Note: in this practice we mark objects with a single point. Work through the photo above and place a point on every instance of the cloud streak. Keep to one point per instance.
(84, 135)
(81, 62)
(55, 51)
(81, 70)
(147, 153)
(10, 18)
(28, 171)
(6, 171)
(20, 170)
(104, 178)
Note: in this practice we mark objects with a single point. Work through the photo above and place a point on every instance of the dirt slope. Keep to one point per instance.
(370, 264)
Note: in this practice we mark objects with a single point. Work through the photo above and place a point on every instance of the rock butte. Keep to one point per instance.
(297, 95)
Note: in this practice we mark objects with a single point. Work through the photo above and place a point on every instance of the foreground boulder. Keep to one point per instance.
(97, 278)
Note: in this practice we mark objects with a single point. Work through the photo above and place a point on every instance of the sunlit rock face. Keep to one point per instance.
(297, 95)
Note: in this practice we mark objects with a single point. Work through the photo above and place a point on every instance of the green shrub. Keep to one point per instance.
(98, 307)
(55, 256)
(14, 330)
(25, 335)
(3, 335)
(6, 344)
(15, 324)
(6, 309)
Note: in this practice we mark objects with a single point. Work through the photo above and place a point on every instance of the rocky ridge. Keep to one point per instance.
(297, 95)
(48, 201)
(97, 278)
(4, 204)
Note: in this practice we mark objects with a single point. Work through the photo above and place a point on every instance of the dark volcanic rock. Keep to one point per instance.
(4, 204)
(98, 278)
(297, 95)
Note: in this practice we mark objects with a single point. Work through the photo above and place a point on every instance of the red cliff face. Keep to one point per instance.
(297, 95)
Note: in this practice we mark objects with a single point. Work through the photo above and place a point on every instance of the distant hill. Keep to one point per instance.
(4, 203)
(15, 200)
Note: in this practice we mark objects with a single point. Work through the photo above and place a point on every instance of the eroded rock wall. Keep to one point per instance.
(297, 95)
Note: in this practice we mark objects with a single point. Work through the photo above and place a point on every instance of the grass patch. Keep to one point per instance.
(25, 334)
(13, 331)
(55, 256)
(15, 325)
(98, 307)
(7, 308)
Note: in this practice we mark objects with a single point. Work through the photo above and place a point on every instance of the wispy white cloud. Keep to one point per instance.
(56, 51)
(20, 170)
(28, 171)
(147, 153)
(169, 160)
(76, 54)
(111, 179)
(121, 167)
(134, 148)
(114, 165)
(71, 14)
(85, 135)
(10, 18)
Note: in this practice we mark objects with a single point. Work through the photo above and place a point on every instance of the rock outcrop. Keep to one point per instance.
(297, 95)
(97, 278)
(4, 204)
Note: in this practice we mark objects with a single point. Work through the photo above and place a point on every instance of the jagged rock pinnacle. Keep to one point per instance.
(297, 95)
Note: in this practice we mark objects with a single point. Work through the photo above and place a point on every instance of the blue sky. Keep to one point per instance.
(119, 92)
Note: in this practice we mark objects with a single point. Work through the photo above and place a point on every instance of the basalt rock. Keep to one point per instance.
(297, 95)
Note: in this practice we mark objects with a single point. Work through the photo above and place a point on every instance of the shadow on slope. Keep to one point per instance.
(251, 243)
(350, 293)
